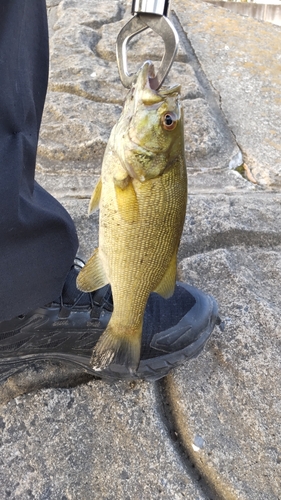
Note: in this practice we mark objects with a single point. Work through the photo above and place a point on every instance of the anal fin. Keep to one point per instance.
(166, 286)
(92, 276)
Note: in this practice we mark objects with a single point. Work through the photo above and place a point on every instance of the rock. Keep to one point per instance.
(39, 375)
(74, 134)
(86, 12)
(83, 69)
(97, 441)
(210, 430)
(224, 220)
(232, 399)
(241, 59)
(204, 139)
(52, 3)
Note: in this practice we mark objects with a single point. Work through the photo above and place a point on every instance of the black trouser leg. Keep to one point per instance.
(37, 236)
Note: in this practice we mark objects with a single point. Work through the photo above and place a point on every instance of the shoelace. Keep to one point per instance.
(101, 298)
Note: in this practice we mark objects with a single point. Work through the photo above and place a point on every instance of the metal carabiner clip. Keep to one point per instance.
(148, 14)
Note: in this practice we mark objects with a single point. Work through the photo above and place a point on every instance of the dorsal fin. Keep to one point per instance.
(95, 198)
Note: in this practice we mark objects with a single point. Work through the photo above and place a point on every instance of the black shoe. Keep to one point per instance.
(174, 330)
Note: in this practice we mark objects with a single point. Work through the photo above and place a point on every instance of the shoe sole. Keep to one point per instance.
(150, 369)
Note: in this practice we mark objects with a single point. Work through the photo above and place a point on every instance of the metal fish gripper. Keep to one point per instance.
(148, 14)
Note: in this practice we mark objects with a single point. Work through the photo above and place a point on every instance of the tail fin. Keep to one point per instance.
(122, 349)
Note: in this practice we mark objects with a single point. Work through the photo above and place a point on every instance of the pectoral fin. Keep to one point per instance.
(166, 286)
(92, 276)
(127, 201)
(95, 198)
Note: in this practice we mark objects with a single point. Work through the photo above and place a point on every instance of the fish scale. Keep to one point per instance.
(142, 199)
(133, 241)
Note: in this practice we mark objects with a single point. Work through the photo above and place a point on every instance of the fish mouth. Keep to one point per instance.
(148, 71)
(150, 79)
(147, 79)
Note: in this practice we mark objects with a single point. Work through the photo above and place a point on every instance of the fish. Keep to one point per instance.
(141, 196)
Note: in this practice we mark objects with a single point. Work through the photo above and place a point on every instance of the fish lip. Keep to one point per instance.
(148, 73)
(149, 80)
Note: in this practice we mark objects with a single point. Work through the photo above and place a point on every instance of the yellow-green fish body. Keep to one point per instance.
(142, 199)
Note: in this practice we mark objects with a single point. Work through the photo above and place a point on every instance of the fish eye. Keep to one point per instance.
(169, 121)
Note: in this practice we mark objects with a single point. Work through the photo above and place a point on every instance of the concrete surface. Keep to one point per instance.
(210, 429)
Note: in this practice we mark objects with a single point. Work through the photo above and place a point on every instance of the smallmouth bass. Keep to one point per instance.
(142, 196)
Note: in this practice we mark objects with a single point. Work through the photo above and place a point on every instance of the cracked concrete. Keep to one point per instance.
(210, 430)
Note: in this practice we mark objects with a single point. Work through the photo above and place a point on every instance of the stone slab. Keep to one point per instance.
(217, 216)
(85, 93)
(69, 185)
(241, 59)
(74, 134)
(228, 414)
(212, 222)
(97, 441)
(210, 430)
